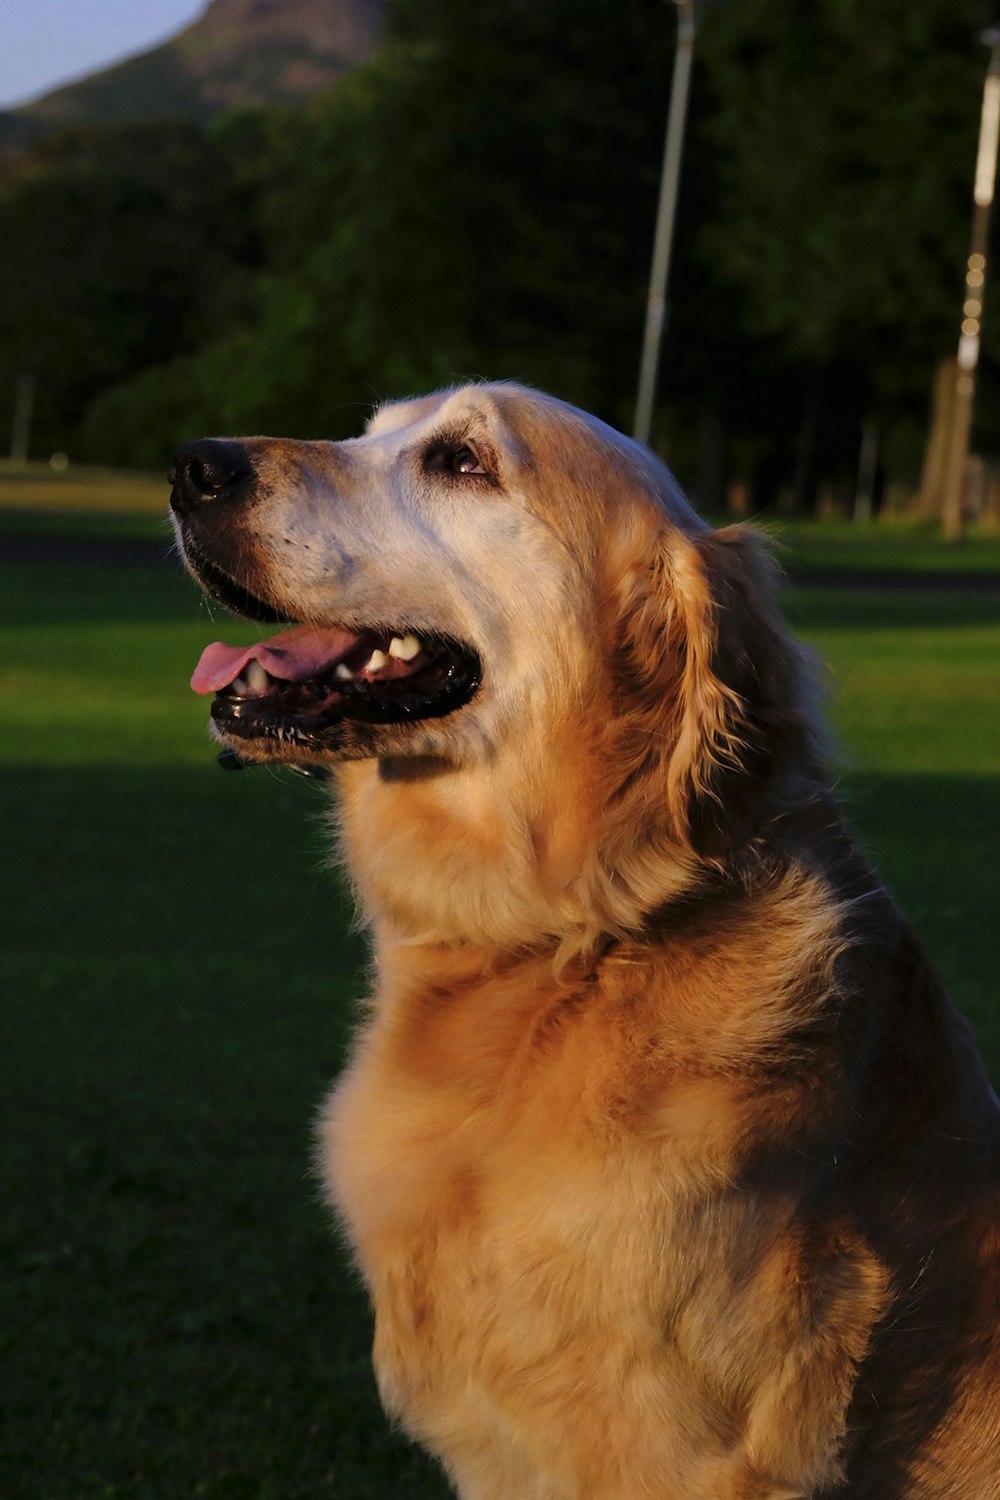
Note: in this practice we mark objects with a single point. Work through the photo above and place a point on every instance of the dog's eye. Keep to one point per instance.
(453, 458)
(464, 461)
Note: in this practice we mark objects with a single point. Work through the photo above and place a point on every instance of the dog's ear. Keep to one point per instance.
(745, 736)
(726, 687)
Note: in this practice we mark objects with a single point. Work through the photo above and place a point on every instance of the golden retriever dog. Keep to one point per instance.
(670, 1170)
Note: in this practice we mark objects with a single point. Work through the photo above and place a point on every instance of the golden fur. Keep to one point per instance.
(670, 1170)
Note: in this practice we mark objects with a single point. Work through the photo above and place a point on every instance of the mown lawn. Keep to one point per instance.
(891, 546)
(179, 976)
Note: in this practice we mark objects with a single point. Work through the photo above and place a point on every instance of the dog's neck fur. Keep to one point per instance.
(451, 861)
(506, 855)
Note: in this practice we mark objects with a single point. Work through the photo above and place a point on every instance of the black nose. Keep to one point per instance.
(211, 469)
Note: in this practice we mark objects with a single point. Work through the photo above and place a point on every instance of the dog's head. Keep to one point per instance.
(490, 584)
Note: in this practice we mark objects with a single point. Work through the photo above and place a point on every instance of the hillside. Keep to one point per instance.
(238, 54)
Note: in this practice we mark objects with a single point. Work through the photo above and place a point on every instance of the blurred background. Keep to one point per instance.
(268, 216)
(291, 208)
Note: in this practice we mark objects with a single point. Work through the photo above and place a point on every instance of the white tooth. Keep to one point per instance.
(376, 662)
(240, 687)
(405, 649)
(257, 679)
(344, 673)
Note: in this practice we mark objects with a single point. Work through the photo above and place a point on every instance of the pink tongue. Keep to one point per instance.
(293, 656)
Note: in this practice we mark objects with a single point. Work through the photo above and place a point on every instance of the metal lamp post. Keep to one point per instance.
(975, 286)
(665, 216)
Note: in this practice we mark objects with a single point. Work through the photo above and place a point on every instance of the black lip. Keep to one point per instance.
(226, 591)
(281, 717)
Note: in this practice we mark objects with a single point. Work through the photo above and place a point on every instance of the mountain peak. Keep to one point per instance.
(331, 28)
(239, 54)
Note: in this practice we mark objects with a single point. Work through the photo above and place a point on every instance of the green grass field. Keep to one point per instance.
(179, 1319)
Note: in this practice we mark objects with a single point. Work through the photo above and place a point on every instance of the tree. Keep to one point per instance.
(845, 137)
(117, 248)
(478, 201)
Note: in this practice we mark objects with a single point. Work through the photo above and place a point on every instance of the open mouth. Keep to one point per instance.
(297, 687)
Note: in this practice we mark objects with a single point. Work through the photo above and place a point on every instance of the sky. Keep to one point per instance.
(44, 43)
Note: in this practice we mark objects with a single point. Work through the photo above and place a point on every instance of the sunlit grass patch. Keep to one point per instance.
(81, 488)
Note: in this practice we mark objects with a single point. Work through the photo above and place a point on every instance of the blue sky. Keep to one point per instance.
(47, 42)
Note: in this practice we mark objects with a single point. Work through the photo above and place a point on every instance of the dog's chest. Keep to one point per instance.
(474, 1142)
(510, 1214)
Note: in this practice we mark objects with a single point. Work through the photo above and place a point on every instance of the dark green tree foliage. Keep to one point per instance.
(845, 137)
(116, 251)
(531, 142)
(837, 139)
(477, 202)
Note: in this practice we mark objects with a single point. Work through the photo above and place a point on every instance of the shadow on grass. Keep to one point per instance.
(933, 840)
(895, 609)
(68, 593)
(180, 1319)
